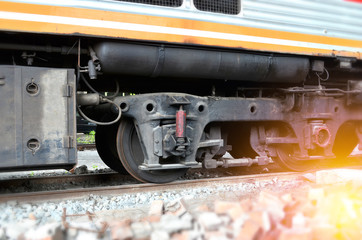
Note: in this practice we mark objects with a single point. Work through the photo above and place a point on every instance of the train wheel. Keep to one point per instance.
(285, 153)
(131, 155)
(106, 146)
(346, 141)
(286, 160)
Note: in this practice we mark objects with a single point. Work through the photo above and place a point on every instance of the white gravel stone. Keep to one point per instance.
(141, 229)
(2, 234)
(16, 230)
(209, 220)
(225, 220)
(47, 231)
(72, 233)
(83, 235)
(144, 198)
(237, 224)
(171, 224)
(160, 235)
(334, 176)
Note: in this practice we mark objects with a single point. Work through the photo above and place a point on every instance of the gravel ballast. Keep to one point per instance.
(23, 217)
(320, 205)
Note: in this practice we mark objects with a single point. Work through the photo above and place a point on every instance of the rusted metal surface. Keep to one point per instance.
(62, 182)
(82, 147)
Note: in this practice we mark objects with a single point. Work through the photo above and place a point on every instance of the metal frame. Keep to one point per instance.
(313, 114)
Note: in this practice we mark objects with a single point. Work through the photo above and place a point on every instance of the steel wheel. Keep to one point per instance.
(286, 160)
(285, 153)
(346, 140)
(131, 155)
(106, 146)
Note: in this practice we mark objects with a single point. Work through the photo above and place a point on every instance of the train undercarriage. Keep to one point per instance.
(161, 135)
(162, 109)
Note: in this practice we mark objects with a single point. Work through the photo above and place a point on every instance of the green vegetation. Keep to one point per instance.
(87, 138)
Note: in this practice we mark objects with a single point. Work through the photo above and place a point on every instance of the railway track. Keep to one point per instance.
(234, 188)
(79, 186)
(81, 146)
(131, 201)
(79, 193)
(36, 184)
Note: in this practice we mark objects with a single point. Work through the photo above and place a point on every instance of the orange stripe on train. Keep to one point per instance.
(172, 22)
(25, 26)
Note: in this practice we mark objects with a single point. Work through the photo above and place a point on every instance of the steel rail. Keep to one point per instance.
(80, 193)
(61, 179)
(125, 187)
(86, 146)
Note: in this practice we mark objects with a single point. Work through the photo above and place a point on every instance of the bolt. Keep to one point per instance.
(156, 141)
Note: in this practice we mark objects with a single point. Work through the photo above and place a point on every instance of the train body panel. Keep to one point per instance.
(38, 118)
(320, 28)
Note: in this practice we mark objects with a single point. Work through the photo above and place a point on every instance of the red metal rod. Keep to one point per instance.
(180, 123)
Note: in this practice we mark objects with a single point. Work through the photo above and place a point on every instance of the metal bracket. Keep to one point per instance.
(147, 167)
(68, 142)
(68, 91)
(157, 141)
(178, 100)
(236, 162)
(212, 143)
(281, 140)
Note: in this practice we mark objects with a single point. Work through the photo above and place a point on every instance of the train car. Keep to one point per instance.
(176, 84)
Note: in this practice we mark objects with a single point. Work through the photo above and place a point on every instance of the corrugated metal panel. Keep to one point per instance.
(334, 18)
(248, 30)
(325, 17)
